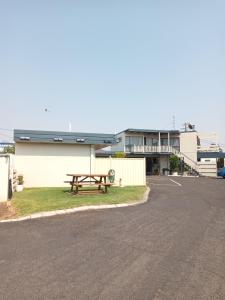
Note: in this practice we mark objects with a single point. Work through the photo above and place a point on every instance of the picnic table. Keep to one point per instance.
(97, 181)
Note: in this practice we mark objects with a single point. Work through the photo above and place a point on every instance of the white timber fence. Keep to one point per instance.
(208, 169)
(6, 176)
(128, 171)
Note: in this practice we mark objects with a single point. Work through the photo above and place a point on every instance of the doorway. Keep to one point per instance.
(152, 166)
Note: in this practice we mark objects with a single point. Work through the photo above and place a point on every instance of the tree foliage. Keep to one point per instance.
(174, 163)
(9, 149)
(120, 155)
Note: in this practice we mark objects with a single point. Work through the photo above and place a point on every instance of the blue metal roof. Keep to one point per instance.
(211, 154)
(37, 136)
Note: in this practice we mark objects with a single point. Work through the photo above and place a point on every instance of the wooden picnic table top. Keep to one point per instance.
(88, 175)
(98, 180)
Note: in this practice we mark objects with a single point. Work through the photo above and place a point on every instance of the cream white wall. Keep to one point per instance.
(188, 145)
(130, 170)
(46, 165)
(208, 168)
(210, 160)
(164, 163)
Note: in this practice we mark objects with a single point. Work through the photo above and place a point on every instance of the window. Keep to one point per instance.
(175, 142)
(127, 140)
(154, 142)
(164, 142)
(134, 140)
(148, 141)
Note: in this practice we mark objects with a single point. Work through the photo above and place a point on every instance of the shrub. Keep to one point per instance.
(9, 149)
(120, 155)
(174, 163)
(20, 179)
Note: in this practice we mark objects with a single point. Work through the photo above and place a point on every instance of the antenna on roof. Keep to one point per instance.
(188, 127)
(174, 122)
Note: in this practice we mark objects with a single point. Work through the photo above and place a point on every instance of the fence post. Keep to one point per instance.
(4, 177)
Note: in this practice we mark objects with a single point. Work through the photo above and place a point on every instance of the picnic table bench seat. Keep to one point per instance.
(87, 183)
(98, 180)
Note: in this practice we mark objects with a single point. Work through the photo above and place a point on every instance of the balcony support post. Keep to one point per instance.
(168, 141)
(143, 144)
(159, 144)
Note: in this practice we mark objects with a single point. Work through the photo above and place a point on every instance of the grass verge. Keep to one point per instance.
(33, 200)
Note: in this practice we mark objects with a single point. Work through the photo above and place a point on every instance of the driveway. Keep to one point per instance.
(172, 247)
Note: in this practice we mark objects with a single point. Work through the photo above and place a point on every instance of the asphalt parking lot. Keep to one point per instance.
(172, 247)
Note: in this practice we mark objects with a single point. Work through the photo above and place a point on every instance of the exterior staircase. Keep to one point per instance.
(193, 165)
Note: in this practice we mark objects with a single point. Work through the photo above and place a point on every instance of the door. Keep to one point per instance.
(149, 165)
(152, 166)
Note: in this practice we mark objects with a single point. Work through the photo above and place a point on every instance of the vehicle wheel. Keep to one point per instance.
(223, 177)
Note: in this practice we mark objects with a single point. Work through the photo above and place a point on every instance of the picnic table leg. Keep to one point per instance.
(77, 185)
(100, 181)
(106, 187)
(76, 189)
(72, 184)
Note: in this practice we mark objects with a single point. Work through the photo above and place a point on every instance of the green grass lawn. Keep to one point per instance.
(45, 199)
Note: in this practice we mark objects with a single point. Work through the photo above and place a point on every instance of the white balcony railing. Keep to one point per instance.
(163, 149)
(149, 149)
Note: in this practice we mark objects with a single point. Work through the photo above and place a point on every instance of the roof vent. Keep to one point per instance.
(25, 138)
(107, 142)
(56, 139)
(80, 140)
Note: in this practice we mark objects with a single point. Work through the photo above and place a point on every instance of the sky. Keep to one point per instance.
(105, 66)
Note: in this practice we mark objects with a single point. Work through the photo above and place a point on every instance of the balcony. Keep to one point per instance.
(150, 149)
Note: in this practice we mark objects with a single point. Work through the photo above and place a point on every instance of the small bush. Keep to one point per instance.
(20, 179)
(120, 155)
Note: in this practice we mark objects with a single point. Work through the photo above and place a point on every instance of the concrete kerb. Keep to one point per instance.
(77, 209)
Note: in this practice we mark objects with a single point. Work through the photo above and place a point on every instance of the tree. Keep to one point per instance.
(174, 163)
(9, 149)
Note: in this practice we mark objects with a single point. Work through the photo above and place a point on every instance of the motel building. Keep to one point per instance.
(156, 146)
(44, 157)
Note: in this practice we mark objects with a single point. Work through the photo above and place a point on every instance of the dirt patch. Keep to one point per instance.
(7, 211)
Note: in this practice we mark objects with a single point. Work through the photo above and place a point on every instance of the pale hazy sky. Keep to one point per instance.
(108, 65)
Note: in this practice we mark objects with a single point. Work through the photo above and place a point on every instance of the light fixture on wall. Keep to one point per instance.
(80, 140)
(56, 139)
(107, 142)
(25, 138)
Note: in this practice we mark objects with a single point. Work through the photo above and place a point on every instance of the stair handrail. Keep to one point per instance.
(175, 151)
